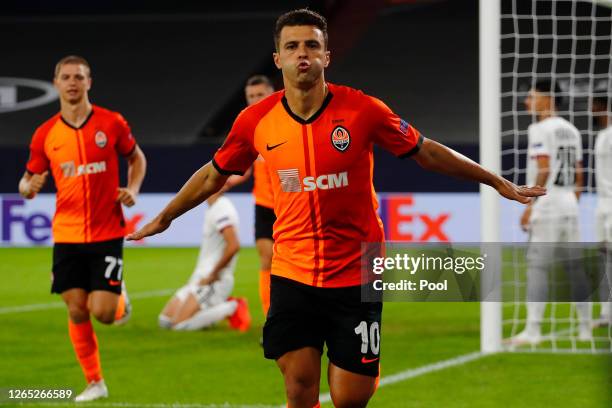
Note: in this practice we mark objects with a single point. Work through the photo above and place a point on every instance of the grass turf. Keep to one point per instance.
(145, 365)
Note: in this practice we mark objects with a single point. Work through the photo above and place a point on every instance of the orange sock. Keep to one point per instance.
(120, 307)
(264, 289)
(85, 345)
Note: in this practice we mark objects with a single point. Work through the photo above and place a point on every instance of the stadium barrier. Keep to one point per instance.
(418, 217)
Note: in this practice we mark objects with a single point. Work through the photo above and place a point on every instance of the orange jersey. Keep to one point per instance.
(321, 171)
(85, 167)
(262, 184)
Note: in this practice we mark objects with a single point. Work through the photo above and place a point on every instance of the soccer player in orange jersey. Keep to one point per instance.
(80, 146)
(317, 138)
(257, 88)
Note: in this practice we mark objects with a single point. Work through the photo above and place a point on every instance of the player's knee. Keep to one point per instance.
(78, 313)
(103, 315)
(352, 399)
(302, 387)
(164, 321)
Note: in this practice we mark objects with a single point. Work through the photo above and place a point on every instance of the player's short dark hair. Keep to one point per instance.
(258, 80)
(300, 17)
(72, 59)
(548, 86)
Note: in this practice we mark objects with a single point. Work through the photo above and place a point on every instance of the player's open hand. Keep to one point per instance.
(37, 181)
(126, 197)
(156, 226)
(522, 194)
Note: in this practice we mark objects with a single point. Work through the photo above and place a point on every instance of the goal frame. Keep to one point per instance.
(490, 158)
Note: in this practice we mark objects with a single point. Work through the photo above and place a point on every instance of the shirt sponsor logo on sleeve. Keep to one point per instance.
(340, 138)
(222, 220)
(403, 127)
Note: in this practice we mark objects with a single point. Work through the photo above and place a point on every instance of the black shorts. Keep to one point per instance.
(264, 221)
(306, 316)
(93, 266)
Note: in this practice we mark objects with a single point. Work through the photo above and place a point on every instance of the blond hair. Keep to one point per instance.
(72, 59)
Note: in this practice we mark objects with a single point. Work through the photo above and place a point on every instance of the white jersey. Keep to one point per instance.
(220, 215)
(603, 170)
(558, 139)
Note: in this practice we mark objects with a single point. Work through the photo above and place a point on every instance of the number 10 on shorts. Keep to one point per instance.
(369, 338)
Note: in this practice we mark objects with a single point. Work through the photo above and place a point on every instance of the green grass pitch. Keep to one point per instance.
(146, 366)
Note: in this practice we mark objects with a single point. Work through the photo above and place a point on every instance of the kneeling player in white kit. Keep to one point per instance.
(603, 213)
(205, 299)
(554, 161)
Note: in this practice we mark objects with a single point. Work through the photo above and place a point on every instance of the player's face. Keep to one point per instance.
(72, 82)
(537, 102)
(255, 93)
(301, 55)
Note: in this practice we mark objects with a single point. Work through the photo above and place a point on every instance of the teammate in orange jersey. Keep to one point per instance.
(80, 146)
(317, 138)
(257, 88)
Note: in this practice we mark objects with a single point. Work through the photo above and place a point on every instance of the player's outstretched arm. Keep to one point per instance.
(235, 179)
(202, 184)
(437, 157)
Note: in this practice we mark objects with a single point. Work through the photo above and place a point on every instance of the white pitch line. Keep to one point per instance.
(60, 305)
(31, 308)
(146, 405)
(416, 372)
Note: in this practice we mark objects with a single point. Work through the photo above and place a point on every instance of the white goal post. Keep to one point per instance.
(490, 148)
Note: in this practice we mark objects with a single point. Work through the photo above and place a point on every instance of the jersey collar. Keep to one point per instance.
(314, 117)
(82, 125)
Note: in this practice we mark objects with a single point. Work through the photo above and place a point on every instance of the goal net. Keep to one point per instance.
(568, 42)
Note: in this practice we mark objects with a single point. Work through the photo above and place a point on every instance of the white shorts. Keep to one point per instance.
(207, 295)
(555, 229)
(544, 233)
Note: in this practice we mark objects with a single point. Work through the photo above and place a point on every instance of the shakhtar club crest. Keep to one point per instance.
(340, 138)
(101, 139)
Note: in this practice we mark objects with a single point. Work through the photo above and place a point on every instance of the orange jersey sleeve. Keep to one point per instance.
(391, 132)
(38, 161)
(238, 152)
(125, 143)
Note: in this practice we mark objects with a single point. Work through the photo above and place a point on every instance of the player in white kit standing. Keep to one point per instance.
(205, 299)
(603, 213)
(554, 160)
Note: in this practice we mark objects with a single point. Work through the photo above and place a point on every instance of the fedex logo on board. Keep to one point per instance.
(404, 223)
(20, 224)
(36, 225)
